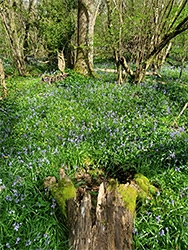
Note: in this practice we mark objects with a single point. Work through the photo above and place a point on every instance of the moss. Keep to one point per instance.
(112, 185)
(152, 189)
(142, 195)
(130, 193)
(62, 192)
(129, 196)
(80, 70)
(145, 187)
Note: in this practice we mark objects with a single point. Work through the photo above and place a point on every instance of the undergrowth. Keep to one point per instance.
(85, 122)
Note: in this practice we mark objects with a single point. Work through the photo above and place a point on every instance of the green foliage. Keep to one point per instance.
(56, 23)
(179, 50)
(114, 128)
(161, 223)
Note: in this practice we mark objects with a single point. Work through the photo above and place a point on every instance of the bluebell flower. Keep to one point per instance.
(8, 245)
(17, 240)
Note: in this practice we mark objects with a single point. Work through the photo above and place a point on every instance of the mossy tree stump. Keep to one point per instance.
(105, 221)
(109, 226)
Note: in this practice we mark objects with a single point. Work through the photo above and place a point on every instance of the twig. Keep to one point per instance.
(153, 73)
(39, 192)
(42, 61)
(186, 105)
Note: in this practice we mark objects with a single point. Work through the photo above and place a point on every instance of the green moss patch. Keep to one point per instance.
(62, 192)
(129, 196)
(145, 187)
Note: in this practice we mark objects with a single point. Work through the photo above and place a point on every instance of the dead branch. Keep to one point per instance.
(42, 61)
(186, 105)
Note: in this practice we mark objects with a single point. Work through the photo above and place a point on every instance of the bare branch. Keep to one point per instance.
(184, 108)
(126, 67)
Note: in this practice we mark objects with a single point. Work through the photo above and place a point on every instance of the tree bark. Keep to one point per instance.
(16, 44)
(3, 79)
(87, 13)
(61, 61)
(182, 66)
(111, 5)
(108, 227)
(27, 29)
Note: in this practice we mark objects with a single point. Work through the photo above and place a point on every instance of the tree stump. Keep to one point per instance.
(102, 222)
(61, 61)
(109, 226)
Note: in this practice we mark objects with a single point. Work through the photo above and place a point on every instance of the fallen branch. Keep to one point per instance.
(127, 70)
(186, 105)
(107, 70)
(42, 61)
(54, 78)
(153, 73)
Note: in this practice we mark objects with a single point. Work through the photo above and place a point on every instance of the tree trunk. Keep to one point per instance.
(83, 62)
(162, 29)
(87, 13)
(182, 66)
(116, 49)
(27, 29)
(3, 79)
(9, 22)
(120, 80)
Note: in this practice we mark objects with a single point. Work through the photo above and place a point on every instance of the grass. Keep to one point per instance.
(44, 127)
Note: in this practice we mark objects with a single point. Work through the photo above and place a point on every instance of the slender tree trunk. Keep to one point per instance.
(3, 79)
(61, 61)
(117, 49)
(27, 28)
(120, 80)
(9, 22)
(182, 66)
(162, 57)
